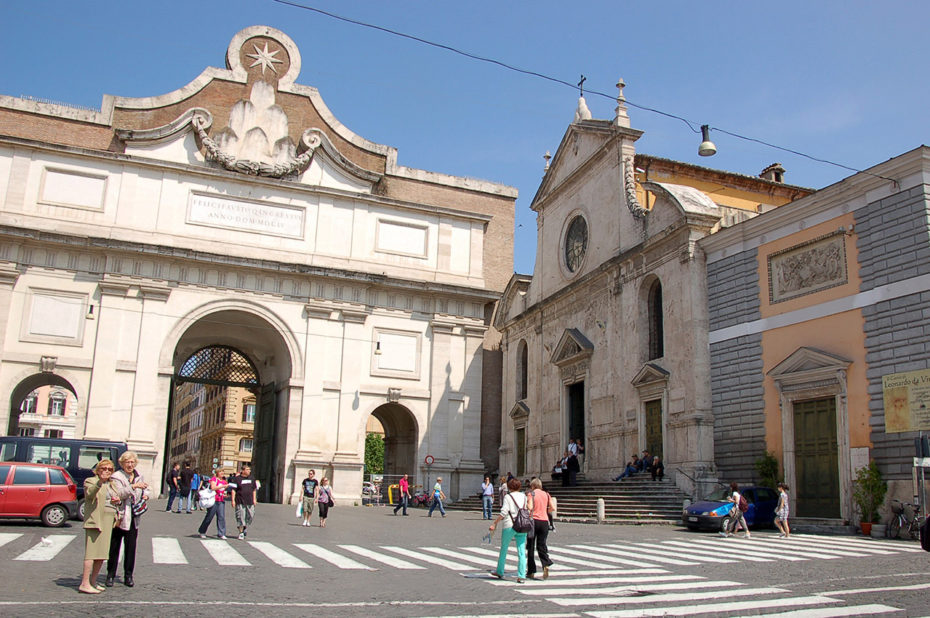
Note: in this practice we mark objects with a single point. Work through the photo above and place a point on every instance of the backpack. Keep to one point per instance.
(523, 522)
(743, 504)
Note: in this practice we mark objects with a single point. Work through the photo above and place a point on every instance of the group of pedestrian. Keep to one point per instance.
(740, 506)
(184, 485)
(114, 502)
(241, 489)
(530, 542)
(316, 493)
(566, 469)
(647, 463)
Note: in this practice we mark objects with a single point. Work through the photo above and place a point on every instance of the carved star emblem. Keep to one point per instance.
(264, 58)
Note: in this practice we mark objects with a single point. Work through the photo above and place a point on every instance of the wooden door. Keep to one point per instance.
(654, 428)
(816, 458)
(575, 412)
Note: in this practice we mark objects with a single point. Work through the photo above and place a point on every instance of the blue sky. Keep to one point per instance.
(839, 80)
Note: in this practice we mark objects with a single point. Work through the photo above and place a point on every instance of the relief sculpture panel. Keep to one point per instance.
(807, 268)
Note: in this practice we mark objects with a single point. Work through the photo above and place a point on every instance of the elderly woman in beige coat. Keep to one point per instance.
(132, 490)
(100, 501)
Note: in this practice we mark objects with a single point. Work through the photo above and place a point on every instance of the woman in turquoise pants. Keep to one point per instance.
(513, 501)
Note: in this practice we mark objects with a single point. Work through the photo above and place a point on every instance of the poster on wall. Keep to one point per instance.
(907, 401)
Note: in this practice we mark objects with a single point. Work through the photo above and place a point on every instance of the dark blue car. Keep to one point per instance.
(714, 513)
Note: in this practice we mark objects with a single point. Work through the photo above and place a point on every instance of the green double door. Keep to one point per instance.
(816, 458)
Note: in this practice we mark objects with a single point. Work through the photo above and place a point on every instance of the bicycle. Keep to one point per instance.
(906, 518)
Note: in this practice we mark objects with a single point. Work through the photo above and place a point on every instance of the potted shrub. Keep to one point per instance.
(869, 491)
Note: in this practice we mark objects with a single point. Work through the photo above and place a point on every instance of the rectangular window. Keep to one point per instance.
(30, 476)
(27, 431)
(53, 433)
(29, 406)
(56, 407)
(90, 455)
(8, 451)
(245, 445)
(248, 413)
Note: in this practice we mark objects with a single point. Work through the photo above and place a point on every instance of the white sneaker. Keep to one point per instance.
(241, 535)
(203, 536)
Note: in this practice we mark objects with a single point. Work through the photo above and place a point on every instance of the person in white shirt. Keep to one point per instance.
(514, 501)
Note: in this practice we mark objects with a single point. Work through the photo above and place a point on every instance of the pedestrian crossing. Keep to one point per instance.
(593, 580)
(645, 557)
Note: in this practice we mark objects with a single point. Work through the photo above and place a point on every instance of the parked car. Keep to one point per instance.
(78, 457)
(714, 513)
(37, 491)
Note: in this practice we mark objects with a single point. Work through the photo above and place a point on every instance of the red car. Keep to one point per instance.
(37, 491)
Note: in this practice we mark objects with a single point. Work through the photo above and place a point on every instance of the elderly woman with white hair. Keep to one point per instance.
(134, 494)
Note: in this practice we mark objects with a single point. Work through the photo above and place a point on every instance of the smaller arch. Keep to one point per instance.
(523, 356)
(27, 386)
(654, 322)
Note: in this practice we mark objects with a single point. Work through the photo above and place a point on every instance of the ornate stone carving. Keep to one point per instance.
(48, 364)
(629, 186)
(393, 395)
(806, 268)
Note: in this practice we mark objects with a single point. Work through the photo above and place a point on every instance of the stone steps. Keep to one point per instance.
(631, 501)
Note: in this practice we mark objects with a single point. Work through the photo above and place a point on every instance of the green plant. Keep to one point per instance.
(374, 453)
(869, 491)
(767, 467)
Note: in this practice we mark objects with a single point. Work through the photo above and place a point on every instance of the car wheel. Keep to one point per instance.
(81, 510)
(54, 516)
(725, 524)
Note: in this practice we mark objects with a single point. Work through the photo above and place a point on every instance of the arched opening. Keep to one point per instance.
(655, 321)
(229, 399)
(523, 357)
(43, 405)
(400, 443)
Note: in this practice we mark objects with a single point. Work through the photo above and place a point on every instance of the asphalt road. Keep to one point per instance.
(368, 562)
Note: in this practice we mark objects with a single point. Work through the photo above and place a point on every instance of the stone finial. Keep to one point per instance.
(547, 157)
(582, 113)
(621, 119)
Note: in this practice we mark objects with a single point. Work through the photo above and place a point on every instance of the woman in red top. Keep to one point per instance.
(542, 507)
(217, 484)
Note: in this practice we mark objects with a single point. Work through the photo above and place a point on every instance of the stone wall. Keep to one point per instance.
(739, 410)
(894, 245)
(733, 290)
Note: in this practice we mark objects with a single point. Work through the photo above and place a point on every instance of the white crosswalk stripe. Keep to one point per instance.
(765, 549)
(167, 550)
(6, 537)
(446, 564)
(832, 612)
(671, 597)
(388, 560)
(46, 549)
(279, 556)
(332, 557)
(730, 551)
(224, 553)
(718, 608)
(607, 556)
(633, 552)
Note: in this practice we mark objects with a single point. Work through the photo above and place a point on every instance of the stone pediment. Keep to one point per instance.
(254, 135)
(510, 303)
(805, 361)
(572, 347)
(650, 374)
(519, 412)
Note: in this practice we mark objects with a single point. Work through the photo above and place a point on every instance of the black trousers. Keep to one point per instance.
(537, 544)
(128, 537)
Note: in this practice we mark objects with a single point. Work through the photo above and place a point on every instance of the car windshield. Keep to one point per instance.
(719, 495)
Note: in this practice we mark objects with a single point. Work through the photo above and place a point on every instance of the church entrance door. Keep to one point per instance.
(654, 428)
(816, 458)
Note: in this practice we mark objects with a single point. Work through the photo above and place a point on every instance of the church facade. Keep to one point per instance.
(237, 214)
(607, 340)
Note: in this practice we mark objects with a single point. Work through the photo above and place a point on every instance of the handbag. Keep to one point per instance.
(207, 498)
(140, 507)
(330, 502)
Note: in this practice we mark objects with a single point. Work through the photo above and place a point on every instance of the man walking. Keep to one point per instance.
(310, 485)
(243, 488)
(185, 479)
(404, 495)
(487, 497)
(173, 485)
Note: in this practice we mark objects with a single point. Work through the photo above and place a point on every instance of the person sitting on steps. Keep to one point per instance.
(657, 468)
(632, 467)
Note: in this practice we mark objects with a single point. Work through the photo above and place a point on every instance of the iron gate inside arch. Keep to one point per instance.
(219, 365)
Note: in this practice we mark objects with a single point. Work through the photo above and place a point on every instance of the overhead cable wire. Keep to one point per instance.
(690, 123)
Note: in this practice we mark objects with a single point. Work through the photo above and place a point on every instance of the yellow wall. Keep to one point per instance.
(840, 334)
(725, 196)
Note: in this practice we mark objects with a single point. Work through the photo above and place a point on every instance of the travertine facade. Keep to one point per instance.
(237, 211)
(607, 341)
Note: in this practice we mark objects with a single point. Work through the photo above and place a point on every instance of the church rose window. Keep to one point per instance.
(576, 241)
